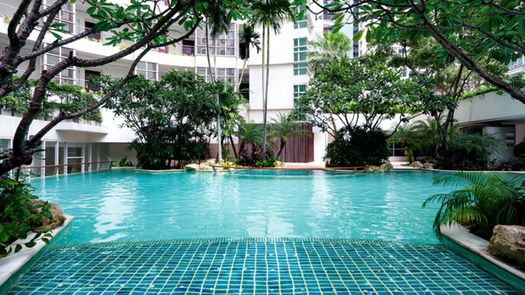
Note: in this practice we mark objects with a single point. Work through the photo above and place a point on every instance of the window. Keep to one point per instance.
(300, 48)
(188, 47)
(55, 56)
(298, 90)
(225, 43)
(224, 74)
(148, 69)
(301, 22)
(93, 36)
(66, 15)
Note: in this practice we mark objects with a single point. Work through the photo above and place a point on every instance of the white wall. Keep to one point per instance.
(493, 106)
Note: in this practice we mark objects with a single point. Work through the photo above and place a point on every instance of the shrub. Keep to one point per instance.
(485, 201)
(18, 217)
(519, 149)
(253, 157)
(357, 146)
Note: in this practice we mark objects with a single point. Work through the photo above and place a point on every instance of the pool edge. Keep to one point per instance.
(473, 248)
(11, 265)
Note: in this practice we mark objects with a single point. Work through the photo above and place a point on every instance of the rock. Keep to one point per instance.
(428, 166)
(47, 224)
(508, 242)
(198, 167)
(373, 169)
(205, 167)
(417, 164)
(192, 167)
(387, 166)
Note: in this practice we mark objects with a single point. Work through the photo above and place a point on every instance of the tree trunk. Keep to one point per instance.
(233, 147)
(468, 61)
(281, 148)
(265, 100)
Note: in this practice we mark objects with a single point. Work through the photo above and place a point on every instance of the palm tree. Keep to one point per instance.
(249, 37)
(282, 128)
(331, 47)
(485, 201)
(216, 24)
(269, 14)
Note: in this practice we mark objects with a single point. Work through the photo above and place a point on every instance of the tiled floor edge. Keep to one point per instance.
(474, 249)
(12, 263)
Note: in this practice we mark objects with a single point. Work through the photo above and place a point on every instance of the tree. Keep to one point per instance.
(249, 38)
(354, 92)
(495, 28)
(172, 117)
(219, 25)
(269, 15)
(145, 24)
(331, 47)
(445, 78)
(282, 128)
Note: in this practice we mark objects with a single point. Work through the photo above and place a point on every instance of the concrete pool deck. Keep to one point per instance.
(256, 266)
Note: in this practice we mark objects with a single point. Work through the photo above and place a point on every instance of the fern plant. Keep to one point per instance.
(487, 199)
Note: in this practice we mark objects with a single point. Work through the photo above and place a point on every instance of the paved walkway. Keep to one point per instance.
(251, 266)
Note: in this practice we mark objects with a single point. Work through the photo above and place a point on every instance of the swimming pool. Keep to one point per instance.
(249, 232)
(136, 206)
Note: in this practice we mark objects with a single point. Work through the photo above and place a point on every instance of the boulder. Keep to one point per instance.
(46, 223)
(387, 166)
(428, 166)
(417, 164)
(192, 167)
(372, 169)
(205, 167)
(508, 242)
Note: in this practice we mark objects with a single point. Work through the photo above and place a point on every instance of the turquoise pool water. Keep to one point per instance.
(136, 206)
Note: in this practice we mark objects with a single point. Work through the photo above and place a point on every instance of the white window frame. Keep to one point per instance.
(60, 19)
(59, 76)
(298, 90)
(146, 70)
(300, 66)
(221, 42)
(222, 74)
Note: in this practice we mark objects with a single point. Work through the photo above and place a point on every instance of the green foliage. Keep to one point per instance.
(282, 128)
(251, 137)
(360, 91)
(124, 162)
(66, 98)
(173, 117)
(269, 161)
(485, 201)
(357, 146)
(331, 47)
(463, 151)
(18, 217)
(519, 149)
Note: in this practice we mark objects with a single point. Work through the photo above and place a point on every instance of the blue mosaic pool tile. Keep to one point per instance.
(252, 266)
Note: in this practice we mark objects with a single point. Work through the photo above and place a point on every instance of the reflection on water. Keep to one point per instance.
(127, 205)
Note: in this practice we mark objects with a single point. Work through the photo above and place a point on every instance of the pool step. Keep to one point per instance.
(255, 266)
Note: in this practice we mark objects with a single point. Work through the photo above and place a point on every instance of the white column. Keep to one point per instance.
(90, 156)
(65, 169)
(57, 157)
(83, 152)
(43, 160)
